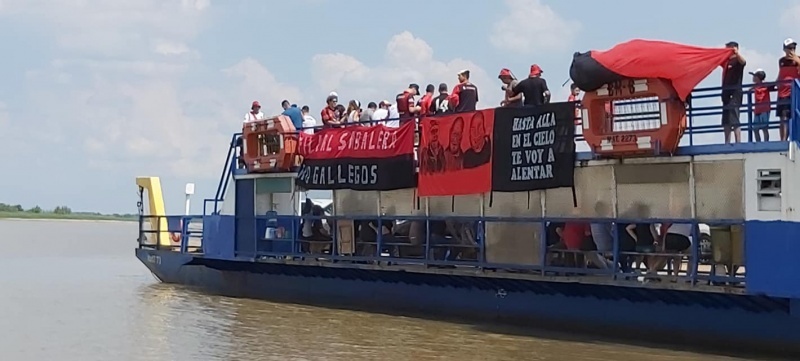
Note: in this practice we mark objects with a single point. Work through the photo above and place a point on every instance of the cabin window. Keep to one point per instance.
(635, 114)
(769, 190)
(270, 143)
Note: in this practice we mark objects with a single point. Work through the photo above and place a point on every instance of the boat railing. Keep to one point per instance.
(231, 160)
(704, 262)
(182, 234)
(703, 134)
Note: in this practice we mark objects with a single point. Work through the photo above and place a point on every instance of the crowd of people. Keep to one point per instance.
(533, 90)
(412, 103)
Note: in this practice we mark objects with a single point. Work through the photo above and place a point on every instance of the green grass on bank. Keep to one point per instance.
(72, 216)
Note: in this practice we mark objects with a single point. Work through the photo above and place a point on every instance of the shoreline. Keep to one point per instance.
(23, 216)
(66, 220)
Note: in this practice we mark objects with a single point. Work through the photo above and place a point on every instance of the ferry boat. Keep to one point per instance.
(472, 206)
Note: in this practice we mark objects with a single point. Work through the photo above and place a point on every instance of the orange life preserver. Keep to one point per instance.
(269, 145)
(633, 117)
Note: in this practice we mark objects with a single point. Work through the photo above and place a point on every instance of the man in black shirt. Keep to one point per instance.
(732, 93)
(534, 88)
(465, 94)
(439, 105)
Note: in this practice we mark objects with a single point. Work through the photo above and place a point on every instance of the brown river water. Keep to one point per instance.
(74, 291)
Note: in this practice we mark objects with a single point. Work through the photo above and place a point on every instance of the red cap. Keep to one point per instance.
(256, 104)
(505, 72)
(535, 70)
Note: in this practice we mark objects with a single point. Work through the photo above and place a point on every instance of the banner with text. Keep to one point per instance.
(358, 158)
(455, 154)
(534, 148)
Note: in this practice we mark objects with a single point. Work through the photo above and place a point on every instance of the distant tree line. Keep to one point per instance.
(64, 210)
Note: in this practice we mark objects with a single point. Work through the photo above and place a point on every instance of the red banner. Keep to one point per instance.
(455, 154)
(376, 141)
(359, 158)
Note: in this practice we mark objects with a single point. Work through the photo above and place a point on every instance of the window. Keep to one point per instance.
(769, 190)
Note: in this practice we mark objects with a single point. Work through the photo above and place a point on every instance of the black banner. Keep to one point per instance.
(534, 147)
(379, 174)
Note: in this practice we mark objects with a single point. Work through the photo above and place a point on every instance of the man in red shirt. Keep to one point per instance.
(328, 114)
(762, 104)
(425, 102)
(406, 106)
(788, 70)
(465, 95)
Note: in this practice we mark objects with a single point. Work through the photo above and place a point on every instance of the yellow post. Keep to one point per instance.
(155, 200)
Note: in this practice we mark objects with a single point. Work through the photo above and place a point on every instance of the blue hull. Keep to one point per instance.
(729, 322)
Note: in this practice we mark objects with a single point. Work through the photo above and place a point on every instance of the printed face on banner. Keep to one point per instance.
(456, 154)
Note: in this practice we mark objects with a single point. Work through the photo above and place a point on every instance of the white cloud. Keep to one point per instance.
(407, 59)
(790, 18)
(113, 28)
(258, 83)
(168, 48)
(758, 60)
(531, 26)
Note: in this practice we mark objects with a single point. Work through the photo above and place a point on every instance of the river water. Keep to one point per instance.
(74, 291)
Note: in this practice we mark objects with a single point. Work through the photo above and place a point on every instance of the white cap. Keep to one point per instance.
(386, 102)
(788, 42)
(333, 94)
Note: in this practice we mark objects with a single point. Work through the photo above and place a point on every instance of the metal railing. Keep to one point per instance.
(179, 233)
(447, 250)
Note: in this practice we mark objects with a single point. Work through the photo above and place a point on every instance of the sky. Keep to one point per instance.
(96, 92)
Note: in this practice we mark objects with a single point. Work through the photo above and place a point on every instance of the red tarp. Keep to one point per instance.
(685, 65)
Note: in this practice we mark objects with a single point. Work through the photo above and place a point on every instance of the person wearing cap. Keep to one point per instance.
(440, 105)
(328, 114)
(788, 70)
(762, 102)
(509, 82)
(294, 113)
(255, 113)
(534, 88)
(732, 76)
(465, 95)
(406, 105)
(425, 103)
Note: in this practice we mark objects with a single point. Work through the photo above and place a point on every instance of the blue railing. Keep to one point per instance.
(794, 123)
(704, 112)
(227, 172)
(290, 243)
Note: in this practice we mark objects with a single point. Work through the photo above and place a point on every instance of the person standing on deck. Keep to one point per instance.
(308, 121)
(788, 70)
(328, 114)
(406, 106)
(425, 102)
(255, 113)
(575, 96)
(293, 113)
(732, 93)
(440, 105)
(534, 88)
(762, 100)
(509, 82)
(465, 95)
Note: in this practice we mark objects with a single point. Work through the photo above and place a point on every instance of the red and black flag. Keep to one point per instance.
(684, 65)
(360, 158)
